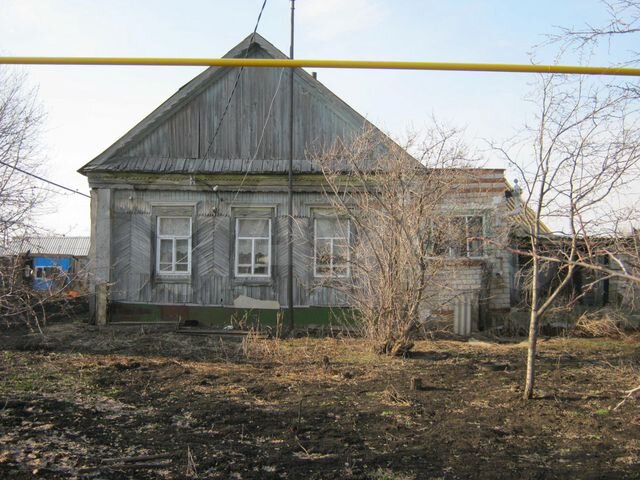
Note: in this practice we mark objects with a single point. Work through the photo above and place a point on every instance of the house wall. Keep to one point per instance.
(485, 281)
(212, 282)
(130, 214)
(623, 293)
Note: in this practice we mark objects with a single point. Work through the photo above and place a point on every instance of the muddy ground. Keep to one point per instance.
(75, 404)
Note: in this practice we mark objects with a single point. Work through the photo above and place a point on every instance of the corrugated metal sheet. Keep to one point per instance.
(62, 246)
(523, 218)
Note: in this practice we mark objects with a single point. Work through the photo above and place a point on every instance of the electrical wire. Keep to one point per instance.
(235, 85)
(42, 179)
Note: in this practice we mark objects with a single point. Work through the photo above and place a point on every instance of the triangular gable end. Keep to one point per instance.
(178, 137)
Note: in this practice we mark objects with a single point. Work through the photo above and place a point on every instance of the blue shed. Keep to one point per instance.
(50, 261)
(46, 270)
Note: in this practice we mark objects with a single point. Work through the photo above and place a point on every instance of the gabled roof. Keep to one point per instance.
(178, 136)
(57, 246)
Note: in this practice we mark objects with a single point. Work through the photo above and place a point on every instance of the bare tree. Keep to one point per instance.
(396, 215)
(623, 21)
(579, 156)
(616, 37)
(20, 122)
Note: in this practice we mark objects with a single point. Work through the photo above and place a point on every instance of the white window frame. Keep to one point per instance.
(331, 273)
(253, 246)
(159, 238)
(468, 240)
(43, 270)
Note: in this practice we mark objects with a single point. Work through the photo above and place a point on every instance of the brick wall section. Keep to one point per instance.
(486, 280)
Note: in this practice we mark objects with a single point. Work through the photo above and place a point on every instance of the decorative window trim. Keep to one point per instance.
(159, 237)
(332, 239)
(237, 239)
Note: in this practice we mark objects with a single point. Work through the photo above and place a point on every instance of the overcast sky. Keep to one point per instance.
(89, 108)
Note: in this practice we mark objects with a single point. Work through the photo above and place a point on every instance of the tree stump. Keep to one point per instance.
(416, 383)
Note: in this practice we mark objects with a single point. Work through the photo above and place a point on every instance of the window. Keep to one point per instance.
(174, 246)
(331, 247)
(475, 232)
(459, 236)
(48, 273)
(253, 247)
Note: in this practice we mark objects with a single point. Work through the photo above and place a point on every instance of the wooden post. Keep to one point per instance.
(100, 249)
(101, 304)
(416, 383)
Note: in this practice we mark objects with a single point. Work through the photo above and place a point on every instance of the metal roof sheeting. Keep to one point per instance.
(60, 246)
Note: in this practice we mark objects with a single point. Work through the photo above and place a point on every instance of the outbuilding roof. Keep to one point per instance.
(55, 246)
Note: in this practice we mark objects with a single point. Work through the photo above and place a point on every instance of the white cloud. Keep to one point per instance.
(329, 19)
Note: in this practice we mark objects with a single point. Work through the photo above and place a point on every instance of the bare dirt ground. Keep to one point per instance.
(75, 404)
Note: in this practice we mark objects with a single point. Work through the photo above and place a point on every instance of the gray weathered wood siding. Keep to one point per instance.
(179, 141)
(212, 281)
(180, 144)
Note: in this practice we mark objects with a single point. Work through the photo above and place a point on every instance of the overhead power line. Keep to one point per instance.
(235, 85)
(42, 179)
(311, 63)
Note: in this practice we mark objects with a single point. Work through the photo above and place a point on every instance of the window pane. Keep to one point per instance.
(253, 228)
(323, 269)
(182, 251)
(260, 270)
(166, 253)
(325, 227)
(182, 267)
(340, 270)
(331, 227)
(340, 253)
(174, 226)
(474, 232)
(474, 225)
(456, 237)
(165, 267)
(475, 248)
(244, 270)
(244, 252)
(436, 243)
(323, 253)
(342, 228)
(261, 248)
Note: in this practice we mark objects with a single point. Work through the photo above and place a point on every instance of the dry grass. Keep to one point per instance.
(602, 323)
(314, 407)
(391, 396)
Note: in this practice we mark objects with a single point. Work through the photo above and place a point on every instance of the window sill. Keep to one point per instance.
(173, 278)
(252, 281)
(466, 260)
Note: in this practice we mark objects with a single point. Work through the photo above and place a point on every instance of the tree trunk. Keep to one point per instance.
(531, 355)
(533, 334)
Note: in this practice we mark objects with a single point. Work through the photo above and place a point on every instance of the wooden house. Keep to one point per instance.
(189, 209)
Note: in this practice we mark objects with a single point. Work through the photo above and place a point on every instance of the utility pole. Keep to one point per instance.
(290, 183)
